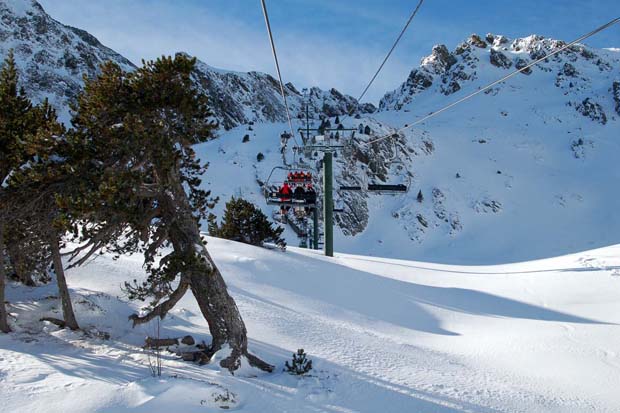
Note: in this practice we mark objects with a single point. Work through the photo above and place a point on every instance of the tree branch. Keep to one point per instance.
(162, 309)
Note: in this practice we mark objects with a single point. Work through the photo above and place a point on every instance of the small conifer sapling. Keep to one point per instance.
(300, 364)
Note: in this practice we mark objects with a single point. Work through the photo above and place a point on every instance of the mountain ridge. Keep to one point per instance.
(53, 57)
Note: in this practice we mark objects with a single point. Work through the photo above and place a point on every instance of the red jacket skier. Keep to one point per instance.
(285, 192)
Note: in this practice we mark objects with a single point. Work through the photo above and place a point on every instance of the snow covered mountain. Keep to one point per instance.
(523, 171)
(528, 170)
(51, 56)
(575, 72)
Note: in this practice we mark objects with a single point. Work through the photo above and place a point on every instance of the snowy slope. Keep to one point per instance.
(526, 171)
(385, 335)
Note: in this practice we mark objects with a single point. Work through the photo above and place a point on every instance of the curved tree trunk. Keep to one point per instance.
(65, 298)
(4, 324)
(209, 289)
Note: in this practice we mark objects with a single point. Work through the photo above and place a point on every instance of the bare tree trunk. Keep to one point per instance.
(209, 289)
(4, 324)
(65, 298)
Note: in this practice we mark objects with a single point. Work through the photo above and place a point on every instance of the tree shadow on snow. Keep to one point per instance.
(483, 273)
(383, 299)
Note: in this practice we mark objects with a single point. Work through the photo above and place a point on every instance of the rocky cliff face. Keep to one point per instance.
(240, 98)
(52, 57)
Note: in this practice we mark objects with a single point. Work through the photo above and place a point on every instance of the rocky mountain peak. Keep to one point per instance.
(439, 61)
(448, 72)
(51, 57)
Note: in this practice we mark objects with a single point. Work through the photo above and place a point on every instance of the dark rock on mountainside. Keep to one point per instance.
(616, 95)
(500, 60)
(522, 63)
(592, 110)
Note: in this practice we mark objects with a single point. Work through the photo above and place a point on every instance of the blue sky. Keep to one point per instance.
(328, 43)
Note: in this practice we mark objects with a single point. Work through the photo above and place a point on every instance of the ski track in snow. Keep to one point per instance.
(385, 336)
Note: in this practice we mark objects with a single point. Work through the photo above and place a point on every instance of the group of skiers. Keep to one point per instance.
(298, 187)
(299, 176)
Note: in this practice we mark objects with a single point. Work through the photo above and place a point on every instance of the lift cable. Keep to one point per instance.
(490, 85)
(275, 58)
(387, 56)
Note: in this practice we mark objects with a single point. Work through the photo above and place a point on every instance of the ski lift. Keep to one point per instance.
(338, 206)
(297, 181)
(393, 188)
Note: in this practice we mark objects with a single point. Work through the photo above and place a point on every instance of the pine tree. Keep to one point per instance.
(420, 197)
(244, 222)
(14, 110)
(300, 364)
(135, 133)
(34, 192)
(26, 139)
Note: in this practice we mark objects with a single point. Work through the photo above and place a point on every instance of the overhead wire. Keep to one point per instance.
(275, 58)
(490, 85)
(385, 59)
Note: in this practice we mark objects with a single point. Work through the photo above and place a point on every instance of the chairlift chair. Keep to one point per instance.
(272, 193)
(393, 188)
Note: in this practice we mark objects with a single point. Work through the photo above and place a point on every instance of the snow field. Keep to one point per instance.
(384, 335)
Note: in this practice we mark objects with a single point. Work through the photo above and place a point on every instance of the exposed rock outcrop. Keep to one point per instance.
(592, 110)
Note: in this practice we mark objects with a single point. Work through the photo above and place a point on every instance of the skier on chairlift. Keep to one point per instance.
(285, 192)
(299, 193)
(310, 194)
(285, 196)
